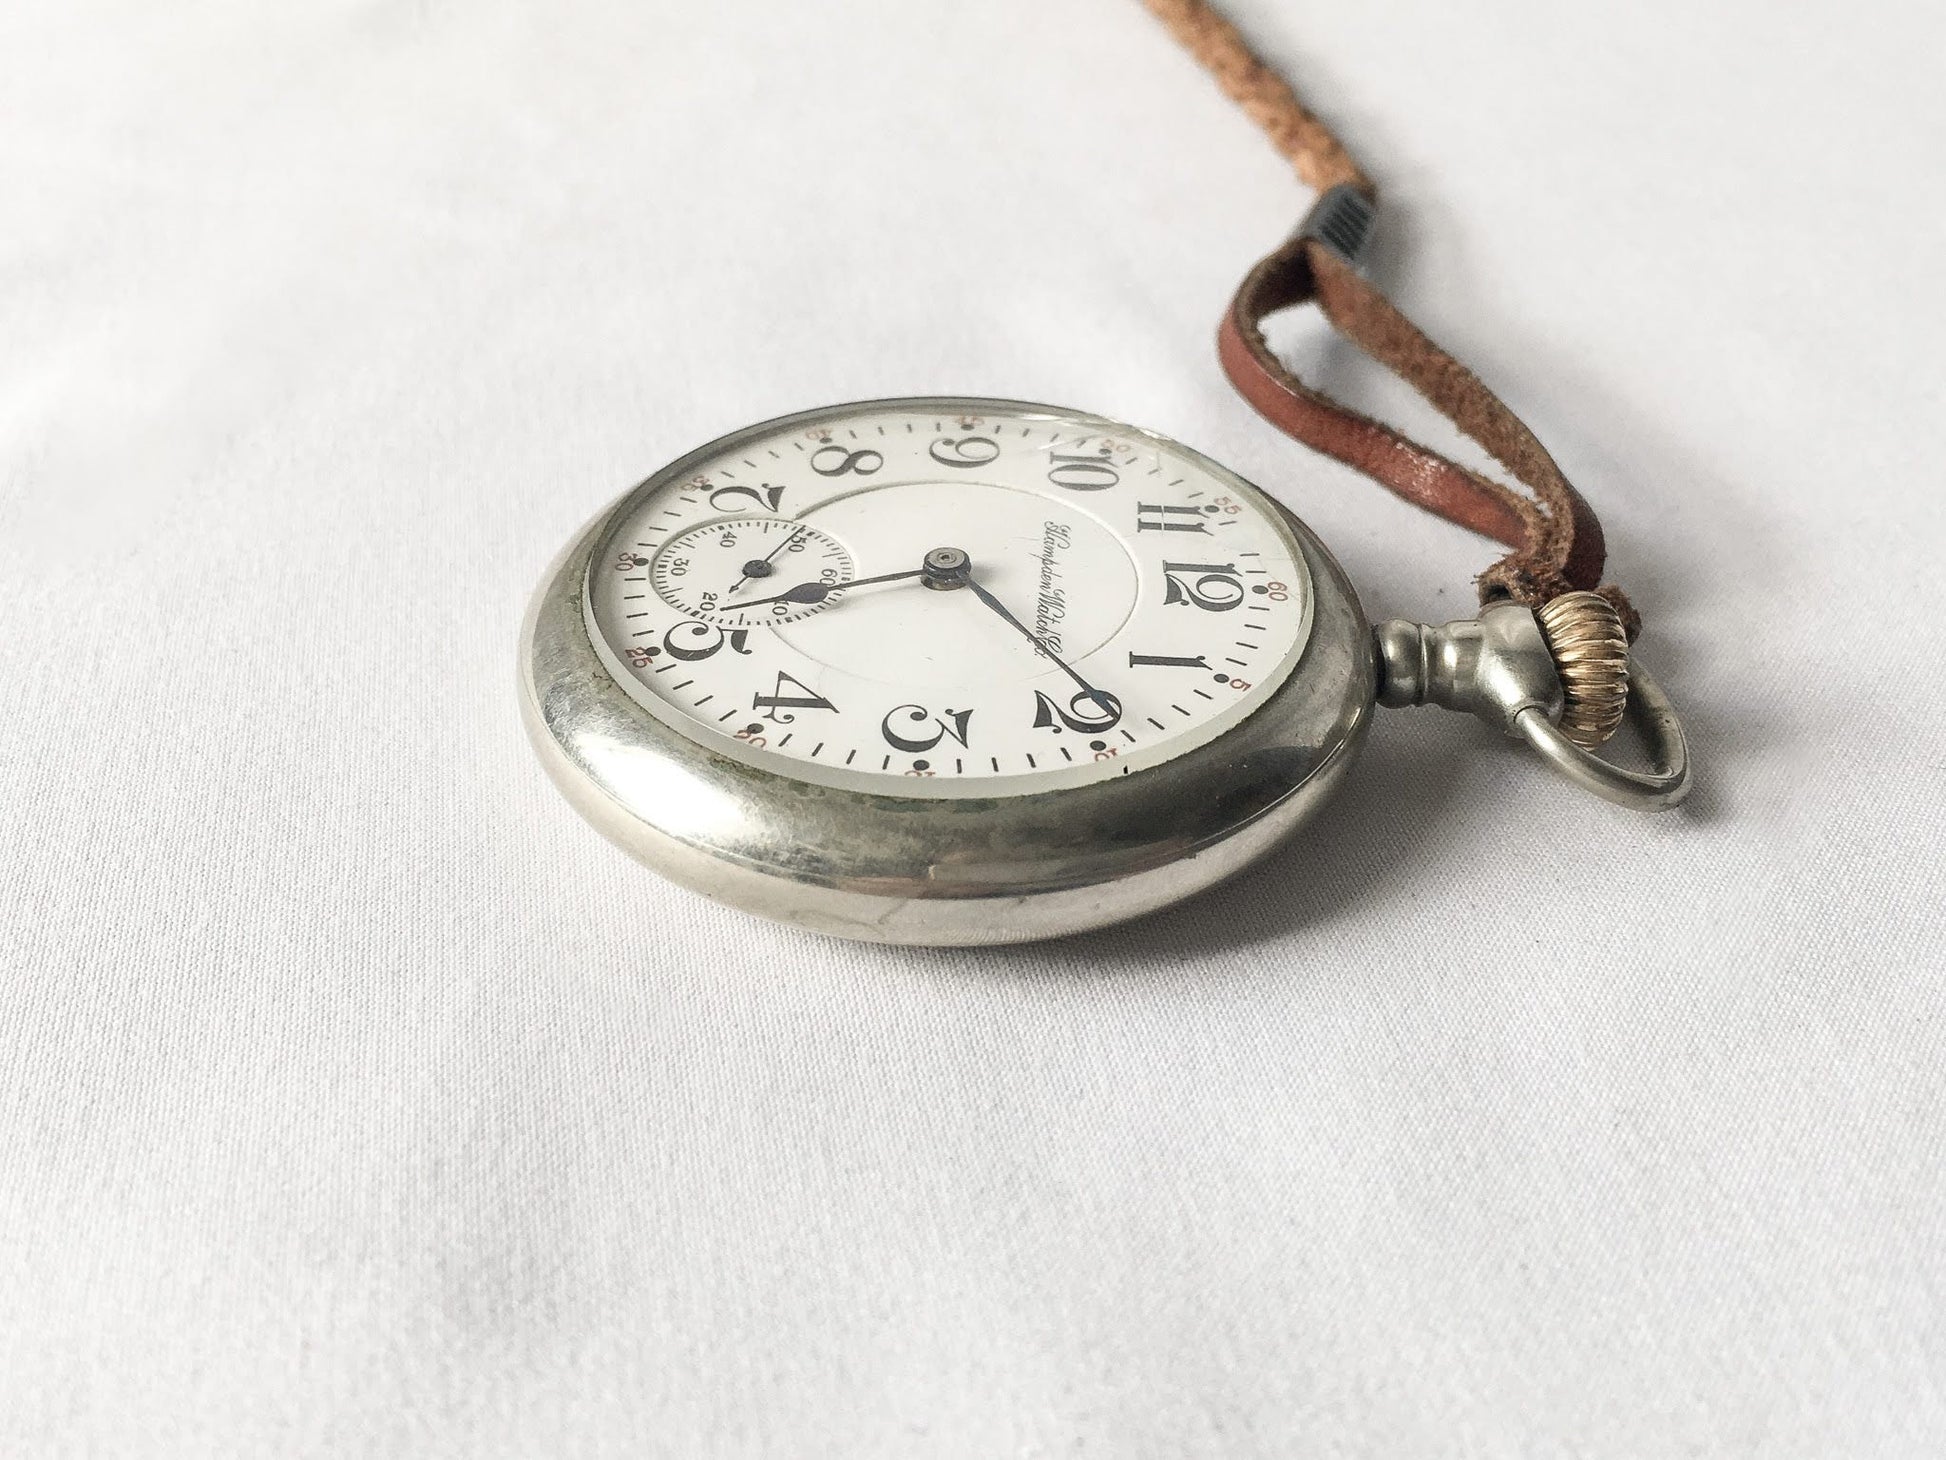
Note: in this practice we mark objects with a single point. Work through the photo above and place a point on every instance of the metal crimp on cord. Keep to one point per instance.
(1341, 219)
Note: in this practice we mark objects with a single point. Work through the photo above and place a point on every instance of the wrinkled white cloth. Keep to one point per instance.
(356, 1099)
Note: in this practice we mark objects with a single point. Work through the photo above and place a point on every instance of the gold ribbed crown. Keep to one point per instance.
(1590, 649)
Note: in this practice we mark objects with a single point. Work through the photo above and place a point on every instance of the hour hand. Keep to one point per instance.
(802, 593)
(818, 592)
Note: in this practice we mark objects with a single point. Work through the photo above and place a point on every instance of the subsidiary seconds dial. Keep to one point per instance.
(913, 600)
(743, 572)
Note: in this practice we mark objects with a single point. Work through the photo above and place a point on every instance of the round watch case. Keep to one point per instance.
(943, 871)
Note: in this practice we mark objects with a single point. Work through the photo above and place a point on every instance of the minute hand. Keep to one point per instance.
(1106, 701)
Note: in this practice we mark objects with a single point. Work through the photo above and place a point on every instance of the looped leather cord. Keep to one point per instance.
(1557, 540)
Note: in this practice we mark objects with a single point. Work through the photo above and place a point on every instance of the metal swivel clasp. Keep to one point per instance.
(1561, 679)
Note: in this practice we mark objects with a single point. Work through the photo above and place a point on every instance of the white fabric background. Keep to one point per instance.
(355, 1099)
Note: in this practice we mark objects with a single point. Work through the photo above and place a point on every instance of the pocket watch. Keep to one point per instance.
(957, 671)
(961, 671)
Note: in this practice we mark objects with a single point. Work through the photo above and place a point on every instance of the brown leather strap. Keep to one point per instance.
(1320, 159)
(1557, 540)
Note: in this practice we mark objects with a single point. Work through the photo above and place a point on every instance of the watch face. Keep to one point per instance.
(948, 598)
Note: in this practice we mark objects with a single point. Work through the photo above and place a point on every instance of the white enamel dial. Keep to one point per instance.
(1098, 600)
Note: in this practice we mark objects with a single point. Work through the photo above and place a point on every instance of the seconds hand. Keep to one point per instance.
(767, 557)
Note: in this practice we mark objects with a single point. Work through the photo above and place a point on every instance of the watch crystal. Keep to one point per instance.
(915, 600)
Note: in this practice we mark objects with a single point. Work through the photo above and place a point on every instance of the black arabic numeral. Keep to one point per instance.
(1168, 519)
(1217, 587)
(947, 722)
(780, 699)
(1166, 661)
(965, 451)
(1089, 712)
(835, 461)
(1080, 472)
(700, 640)
(763, 498)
